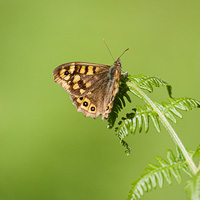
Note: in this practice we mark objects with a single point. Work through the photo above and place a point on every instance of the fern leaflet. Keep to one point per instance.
(197, 152)
(147, 83)
(193, 187)
(142, 115)
(157, 173)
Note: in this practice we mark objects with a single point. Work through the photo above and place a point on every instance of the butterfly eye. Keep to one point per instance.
(107, 108)
(66, 73)
(81, 98)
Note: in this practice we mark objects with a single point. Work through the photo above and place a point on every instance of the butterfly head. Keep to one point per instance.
(118, 62)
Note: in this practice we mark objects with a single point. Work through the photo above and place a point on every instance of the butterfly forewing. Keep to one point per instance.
(79, 78)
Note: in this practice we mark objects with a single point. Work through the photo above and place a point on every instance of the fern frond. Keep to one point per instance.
(121, 135)
(147, 83)
(193, 187)
(170, 109)
(197, 152)
(119, 102)
(128, 148)
(156, 174)
(155, 111)
(142, 115)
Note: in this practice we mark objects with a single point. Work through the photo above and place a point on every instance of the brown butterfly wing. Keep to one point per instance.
(100, 100)
(79, 78)
(92, 87)
(94, 104)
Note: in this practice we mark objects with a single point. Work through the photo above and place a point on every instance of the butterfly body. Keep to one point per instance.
(92, 87)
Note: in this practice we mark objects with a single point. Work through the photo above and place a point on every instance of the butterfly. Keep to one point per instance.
(92, 87)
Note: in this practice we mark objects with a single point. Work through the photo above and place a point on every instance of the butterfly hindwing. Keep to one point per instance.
(94, 104)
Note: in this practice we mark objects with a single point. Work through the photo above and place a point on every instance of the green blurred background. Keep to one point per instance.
(50, 151)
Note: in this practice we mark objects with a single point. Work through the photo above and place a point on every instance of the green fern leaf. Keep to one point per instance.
(175, 169)
(156, 174)
(147, 83)
(184, 103)
(125, 144)
(193, 187)
(169, 109)
(140, 116)
(197, 152)
(154, 118)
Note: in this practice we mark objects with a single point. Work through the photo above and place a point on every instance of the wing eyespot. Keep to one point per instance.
(66, 73)
(85, 103)
(107, 110)
(92, 108)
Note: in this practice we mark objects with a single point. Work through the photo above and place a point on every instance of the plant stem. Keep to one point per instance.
(169, 128)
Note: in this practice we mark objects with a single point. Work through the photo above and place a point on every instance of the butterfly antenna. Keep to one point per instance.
(108, 49)
(124, 52)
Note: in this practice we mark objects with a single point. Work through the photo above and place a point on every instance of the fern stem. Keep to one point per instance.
(167, 125)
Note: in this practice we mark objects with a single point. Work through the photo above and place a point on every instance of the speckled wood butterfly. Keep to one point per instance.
(92, 87)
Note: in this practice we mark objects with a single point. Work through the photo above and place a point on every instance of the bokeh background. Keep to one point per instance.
(50, 151)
